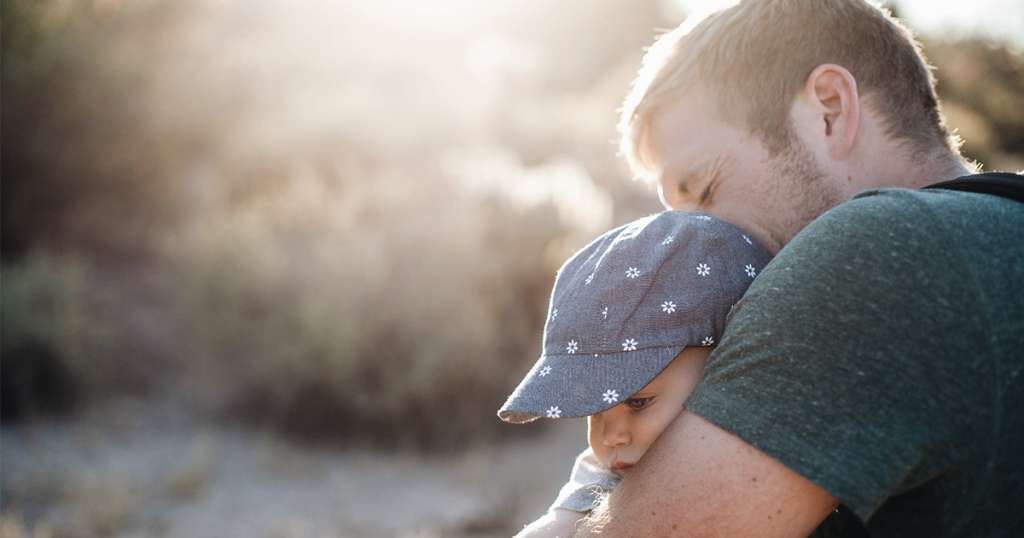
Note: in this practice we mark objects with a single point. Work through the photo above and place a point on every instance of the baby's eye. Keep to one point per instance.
(637, 404)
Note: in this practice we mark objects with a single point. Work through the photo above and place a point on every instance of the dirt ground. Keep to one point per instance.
(132, 469)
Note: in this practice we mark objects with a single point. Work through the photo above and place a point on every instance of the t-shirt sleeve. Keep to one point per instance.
(588, 482)
(833, 363)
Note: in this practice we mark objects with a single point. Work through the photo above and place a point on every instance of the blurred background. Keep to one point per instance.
(269, 268)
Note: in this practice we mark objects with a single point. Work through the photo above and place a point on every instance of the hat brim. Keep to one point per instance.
(579, 385)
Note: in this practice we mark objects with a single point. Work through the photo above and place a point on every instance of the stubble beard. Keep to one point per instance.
(806, 190)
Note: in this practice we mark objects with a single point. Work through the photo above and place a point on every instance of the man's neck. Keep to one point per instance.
(917, 172)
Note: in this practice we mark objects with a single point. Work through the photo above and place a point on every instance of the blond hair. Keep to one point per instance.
(757, 54)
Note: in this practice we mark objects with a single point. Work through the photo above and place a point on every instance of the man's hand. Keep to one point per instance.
(699, 480)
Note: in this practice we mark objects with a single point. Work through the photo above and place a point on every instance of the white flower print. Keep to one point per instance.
(702, 217)
(554, 412)
(545, 371)
(610, 396)
(554, 313)
(629, 345)
(708, 341)
(747, 239)
(590, 278)
(604, 313)
(668, 240)
(572, 347)
(703, 269)
(632, 272)
(668, 307)
(751, 272)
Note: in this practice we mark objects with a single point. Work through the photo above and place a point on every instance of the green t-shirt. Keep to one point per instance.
(881, 356)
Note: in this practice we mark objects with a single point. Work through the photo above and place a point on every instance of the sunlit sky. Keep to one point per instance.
(1002, 19)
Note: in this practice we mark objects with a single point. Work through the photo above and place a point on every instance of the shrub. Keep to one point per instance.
(384, 314)
(46, 332)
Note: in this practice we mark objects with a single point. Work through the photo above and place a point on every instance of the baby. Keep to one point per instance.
(632, 319)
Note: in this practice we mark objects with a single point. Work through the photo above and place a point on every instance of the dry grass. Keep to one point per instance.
(155, 480)
(190, 480)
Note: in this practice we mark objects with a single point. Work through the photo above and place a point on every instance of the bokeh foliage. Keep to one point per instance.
(981, 84)
(340, 224)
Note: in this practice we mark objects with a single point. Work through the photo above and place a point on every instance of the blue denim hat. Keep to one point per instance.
(626, 304)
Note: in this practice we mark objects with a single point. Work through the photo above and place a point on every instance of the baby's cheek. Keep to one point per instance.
(652, 427)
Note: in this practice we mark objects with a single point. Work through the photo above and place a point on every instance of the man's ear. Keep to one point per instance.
(832, 93)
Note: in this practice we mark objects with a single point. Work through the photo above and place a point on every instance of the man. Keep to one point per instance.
(876, 362)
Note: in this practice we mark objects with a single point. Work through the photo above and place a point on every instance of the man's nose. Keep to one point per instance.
(663, 196)
(673, 202)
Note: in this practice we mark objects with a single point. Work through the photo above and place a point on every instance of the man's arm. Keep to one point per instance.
(699, 480)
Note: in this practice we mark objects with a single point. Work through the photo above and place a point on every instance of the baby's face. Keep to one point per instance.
(621, 435)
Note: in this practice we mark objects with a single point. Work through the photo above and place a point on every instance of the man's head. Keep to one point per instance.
(772, 111)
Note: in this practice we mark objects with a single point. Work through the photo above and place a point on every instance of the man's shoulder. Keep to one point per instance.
(908, 203)
(920, 222)
(845, 360)
(895, 204)
(909, 254)
(880, 208)
(914, 268)
(902, 222)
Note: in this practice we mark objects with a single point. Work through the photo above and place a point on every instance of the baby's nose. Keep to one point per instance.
(617, 434)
